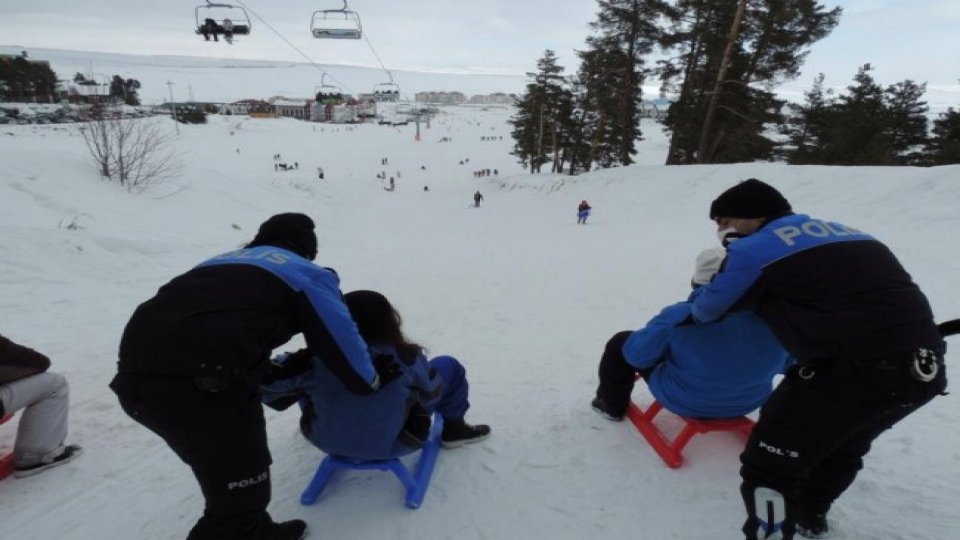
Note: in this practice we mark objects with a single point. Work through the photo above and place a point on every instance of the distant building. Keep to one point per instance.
(497, 98)
(257, 108)
(442, 98)
(341, 113)
(292, 108)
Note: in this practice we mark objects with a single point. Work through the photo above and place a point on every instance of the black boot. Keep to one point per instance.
(459, 432)
(813, 526)
(295, 529)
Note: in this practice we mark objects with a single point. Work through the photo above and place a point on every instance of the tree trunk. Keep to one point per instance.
(703, 153)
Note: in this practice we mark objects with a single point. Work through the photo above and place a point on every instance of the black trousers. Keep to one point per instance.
(813, 433)
(617, 376)
(220, 435)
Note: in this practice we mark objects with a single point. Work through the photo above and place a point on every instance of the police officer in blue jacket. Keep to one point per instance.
(720, 370)
(193, 356)
(868, 352)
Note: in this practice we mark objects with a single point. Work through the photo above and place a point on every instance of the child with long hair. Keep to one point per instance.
(395, 420)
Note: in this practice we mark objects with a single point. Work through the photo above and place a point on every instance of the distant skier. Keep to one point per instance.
(583, 212)
(477, 197)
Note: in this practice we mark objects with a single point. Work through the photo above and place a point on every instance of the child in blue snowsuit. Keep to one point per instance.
(583, 212)
(394, 421)
(719, 370)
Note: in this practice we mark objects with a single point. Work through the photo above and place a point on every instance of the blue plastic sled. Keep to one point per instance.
(415, 484)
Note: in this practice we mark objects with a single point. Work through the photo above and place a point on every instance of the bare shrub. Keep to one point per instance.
(135, 152)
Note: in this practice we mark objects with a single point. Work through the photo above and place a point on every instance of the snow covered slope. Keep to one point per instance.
(524, 296)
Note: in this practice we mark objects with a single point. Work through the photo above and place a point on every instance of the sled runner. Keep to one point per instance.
(415, 483)
(671, 452)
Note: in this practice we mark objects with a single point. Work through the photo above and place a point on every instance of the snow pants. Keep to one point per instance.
(814, 431)
(453, 402)
(44, 399)
(222, 437)
(617, 376)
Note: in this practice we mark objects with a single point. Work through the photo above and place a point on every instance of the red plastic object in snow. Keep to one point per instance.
(672, 451)
(6, 461)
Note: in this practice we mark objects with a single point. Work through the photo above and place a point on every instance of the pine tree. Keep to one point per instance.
(907, 117)
(613, 68)
(809, 123)
(730, 69)
(543, 113)
(124, 90)
(944, 145)
(859, 134)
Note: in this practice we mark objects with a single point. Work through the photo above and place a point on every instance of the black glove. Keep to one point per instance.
(387, 369)
(293, 364)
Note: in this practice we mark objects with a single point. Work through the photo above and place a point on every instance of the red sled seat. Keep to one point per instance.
(672, 451)
(6, 460)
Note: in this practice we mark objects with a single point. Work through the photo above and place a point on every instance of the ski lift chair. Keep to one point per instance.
(219, 13)
(415, 482)
(388, 91)
(336, 24)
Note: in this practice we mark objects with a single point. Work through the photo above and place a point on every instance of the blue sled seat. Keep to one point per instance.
(415, 484)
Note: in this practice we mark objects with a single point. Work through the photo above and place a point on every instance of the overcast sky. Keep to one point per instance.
(903, 39)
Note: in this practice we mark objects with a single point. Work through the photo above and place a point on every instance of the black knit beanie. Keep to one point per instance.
(750, 199)
(290, 231)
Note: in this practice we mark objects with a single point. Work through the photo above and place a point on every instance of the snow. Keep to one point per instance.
(520, 293)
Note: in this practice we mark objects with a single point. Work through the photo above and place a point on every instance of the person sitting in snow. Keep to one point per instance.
(26, 384)
(583, 212)
(723, 369)
(396, 420)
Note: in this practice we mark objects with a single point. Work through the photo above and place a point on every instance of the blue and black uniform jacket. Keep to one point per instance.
(826, 290)
(225, 317)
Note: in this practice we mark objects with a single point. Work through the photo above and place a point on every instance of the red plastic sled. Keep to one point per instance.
(672, 451)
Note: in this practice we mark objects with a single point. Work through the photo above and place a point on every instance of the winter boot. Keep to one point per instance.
(458, 432)
(69, 453)
(295, 529)
(813, 526)
(603, 410)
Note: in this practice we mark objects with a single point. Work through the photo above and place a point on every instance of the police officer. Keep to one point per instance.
(868, 351)
(192, 357)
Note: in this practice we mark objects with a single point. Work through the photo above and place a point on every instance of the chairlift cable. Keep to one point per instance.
(377, 56)
(294, 47)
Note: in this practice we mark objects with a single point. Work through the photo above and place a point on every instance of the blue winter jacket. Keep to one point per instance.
(718, 370)
(389, 423)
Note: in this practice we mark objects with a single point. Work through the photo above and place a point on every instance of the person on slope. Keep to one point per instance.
(396, 420)
(583, 212)
(193, 356)
(719, 370)
(869, 353)
(44, 397)
(477, 197)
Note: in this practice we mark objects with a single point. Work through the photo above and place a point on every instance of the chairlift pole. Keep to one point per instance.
(173, 107)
